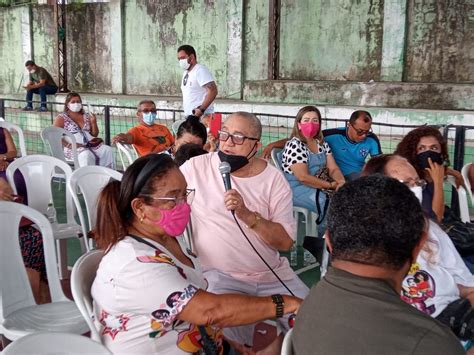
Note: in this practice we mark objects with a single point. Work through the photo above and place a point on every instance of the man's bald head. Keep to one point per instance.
(254, 124)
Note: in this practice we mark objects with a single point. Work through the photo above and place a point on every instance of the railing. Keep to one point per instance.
(116, 119)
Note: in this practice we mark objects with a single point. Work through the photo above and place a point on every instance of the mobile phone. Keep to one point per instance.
(216, 124)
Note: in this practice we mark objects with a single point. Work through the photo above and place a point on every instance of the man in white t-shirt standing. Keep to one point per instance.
(197, 85)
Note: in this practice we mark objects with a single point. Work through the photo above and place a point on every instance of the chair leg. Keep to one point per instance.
(61, 252)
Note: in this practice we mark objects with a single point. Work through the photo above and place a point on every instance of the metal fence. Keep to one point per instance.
(117, 119)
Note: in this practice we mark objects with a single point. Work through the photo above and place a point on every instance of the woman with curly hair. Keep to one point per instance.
(427, 150)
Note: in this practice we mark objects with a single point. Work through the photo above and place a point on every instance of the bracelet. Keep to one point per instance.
(279, 304)
(257, 219)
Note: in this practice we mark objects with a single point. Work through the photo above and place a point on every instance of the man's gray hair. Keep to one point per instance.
(254, 122)
(146, 101)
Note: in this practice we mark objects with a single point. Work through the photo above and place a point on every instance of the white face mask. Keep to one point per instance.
(418, 191)
(75, 107)
(183, 63)
(32, 71)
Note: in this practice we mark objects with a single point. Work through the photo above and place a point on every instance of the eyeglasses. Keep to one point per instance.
(185, 79)
(237, 139)
(361, 132)
(412, 183)
(153, 110)
(188, 198)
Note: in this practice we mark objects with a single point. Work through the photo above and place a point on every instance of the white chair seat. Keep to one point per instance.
(55, 343)
(65, 230)
(51, 317)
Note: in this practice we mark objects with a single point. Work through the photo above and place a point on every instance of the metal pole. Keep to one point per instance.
(2, 108)
(107, 124)
(458, 162)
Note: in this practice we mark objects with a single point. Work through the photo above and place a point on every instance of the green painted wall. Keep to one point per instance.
(11, 68)
(255, 50)
(44, 39)
(331, 39)
(154, 31)
(129, 47)
(88, 41)
(440, 41)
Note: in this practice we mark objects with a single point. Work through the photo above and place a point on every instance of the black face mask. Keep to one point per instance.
(236, 162)
(422, 158)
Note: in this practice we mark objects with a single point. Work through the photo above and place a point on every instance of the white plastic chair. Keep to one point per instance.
(175, 126)
(19, 314)
(82, 277)
(464, 173)
(309, 217)
(127, 154)
(53, 138)
(19, 132)
(287, 348)
(55, 343)
(38, 170)
(462, 199)
(89, 180)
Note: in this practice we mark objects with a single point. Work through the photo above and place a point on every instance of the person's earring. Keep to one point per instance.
(141, 219)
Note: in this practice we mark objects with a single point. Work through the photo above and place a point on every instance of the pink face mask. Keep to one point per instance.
(175, 220)
(309, 129)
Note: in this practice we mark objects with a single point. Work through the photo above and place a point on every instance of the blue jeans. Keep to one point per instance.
(42, 91)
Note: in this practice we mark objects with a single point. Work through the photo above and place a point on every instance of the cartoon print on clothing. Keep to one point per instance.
(161, 257)
(113, 324)
(168, 312)
(417, 288)
(190, 339)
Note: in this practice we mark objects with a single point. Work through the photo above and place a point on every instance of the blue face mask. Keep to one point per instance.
(149, 118)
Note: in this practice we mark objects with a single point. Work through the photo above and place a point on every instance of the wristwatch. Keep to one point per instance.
(279, 304)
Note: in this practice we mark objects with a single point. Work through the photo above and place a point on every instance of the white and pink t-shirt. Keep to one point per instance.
(138, 293)
(219, 243)
(432, 282)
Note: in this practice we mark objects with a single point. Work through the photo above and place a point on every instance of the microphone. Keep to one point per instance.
(224, 169)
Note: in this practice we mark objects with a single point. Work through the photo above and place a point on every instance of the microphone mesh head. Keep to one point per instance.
(224, 167)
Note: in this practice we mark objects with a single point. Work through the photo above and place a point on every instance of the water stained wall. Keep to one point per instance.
(440, 41)
(129, 47)
(331, 39)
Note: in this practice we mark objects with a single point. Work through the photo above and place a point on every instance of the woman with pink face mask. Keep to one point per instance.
(149, 294)
(304, 158)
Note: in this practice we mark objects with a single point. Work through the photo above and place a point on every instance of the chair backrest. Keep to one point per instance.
(82, 277)
(53, 138)
(465, 175)
(55, 343)
(89, 180)
(276, 158)
(38, 171)
(127, 154)
(462, 200)
(287, 347)
(19, 132)
(15, 289)
(175, 126)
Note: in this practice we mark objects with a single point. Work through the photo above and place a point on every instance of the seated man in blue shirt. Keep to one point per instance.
(352, 144)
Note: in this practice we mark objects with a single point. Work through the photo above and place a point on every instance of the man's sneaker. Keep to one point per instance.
(42, 109)
(27, 108)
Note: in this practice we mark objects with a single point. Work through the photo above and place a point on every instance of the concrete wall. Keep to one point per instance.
(331, 40)
(440, 45)
(330, 50)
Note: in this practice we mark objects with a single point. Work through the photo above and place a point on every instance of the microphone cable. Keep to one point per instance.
(259, 255)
